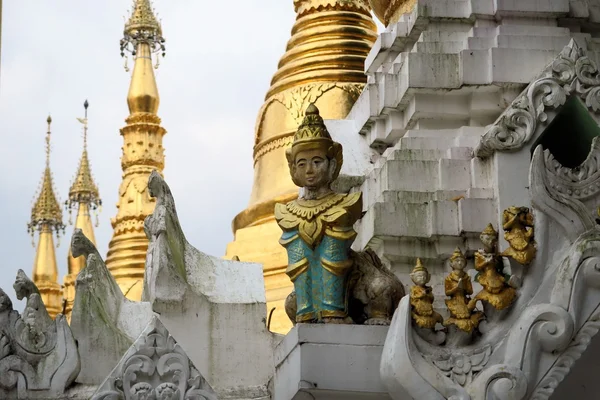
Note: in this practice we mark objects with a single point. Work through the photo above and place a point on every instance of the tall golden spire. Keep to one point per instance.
(142, 151)
(323, 64)
(83, 196)
(46, 218)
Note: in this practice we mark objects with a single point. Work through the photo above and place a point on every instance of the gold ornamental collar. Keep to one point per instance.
(309, 209)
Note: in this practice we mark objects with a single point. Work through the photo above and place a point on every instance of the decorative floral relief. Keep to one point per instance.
(461, 367)
(155, 368)
(572, 73)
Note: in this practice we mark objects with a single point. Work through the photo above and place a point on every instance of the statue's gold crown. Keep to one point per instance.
(419, 267)
(489, 230)
(312, 128)
(311, 134)
(457, 254)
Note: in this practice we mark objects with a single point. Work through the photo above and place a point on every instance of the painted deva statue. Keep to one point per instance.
(317, 227)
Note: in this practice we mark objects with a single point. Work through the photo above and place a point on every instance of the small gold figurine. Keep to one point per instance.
(517, 223)
(496, 290)
(421, 299)
(459, 288)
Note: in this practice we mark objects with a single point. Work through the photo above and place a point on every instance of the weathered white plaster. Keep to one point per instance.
(329, 361)
(215, 308)
(104, 322)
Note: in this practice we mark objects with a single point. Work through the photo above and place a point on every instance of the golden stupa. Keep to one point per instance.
(46, 218)
(323, 64)
(142, 152)
(83, 197)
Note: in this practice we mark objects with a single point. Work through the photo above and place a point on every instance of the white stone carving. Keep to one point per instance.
(571, 73)
(534, 346)
(561, 192)
(104, 322)
(155, 367)
(214, 307)
(38, 355)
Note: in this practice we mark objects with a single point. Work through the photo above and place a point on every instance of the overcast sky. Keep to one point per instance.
(55, 54)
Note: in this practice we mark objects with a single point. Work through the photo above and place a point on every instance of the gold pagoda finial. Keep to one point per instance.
(83, 196)
(46, 211)
(83, 189)
(46, 218)
(142, 152)
(142, 28)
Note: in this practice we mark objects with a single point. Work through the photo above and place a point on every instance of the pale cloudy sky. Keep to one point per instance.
(55, 54)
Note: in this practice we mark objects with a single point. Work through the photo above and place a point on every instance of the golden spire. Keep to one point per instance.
(46, 218)
(323, 64)
(83, 196)
(142, 151)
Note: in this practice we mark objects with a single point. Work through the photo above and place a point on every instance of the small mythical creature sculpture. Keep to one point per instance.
(35, 323)
(373, 289)
(517, 223)
(496, 285)
(459, 288)
(38, 355)
(421, 299)
(318, 226)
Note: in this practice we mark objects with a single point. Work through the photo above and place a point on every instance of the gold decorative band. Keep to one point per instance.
(338, 268)
(309, 316)
(274, 143)
(284, 242)
(294, 270)
(346, 234)
(331, 313)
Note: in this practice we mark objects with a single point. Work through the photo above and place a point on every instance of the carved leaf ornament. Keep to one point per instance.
(572, 73)
(155, 368)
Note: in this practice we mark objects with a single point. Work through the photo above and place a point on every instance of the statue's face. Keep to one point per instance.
(311, 168)
(458, 263)
(489, 241)
(420, 278)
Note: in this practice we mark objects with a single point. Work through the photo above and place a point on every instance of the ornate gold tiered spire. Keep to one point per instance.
(84, 197)
(142, 151)
(323, 64)
(46, 218)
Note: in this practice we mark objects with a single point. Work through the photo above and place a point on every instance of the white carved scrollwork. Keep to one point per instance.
(571, 73)
(558, 191)
(155, 367)
(565, 362)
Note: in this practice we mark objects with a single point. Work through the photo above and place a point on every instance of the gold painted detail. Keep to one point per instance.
(297, 99)
(294, 270)
(458, 287)
(517, 223)
(390, 11)
(272, 144)
(303, 7)
(421, 299)
(338, 268)
(311, 217)
(496, 289)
